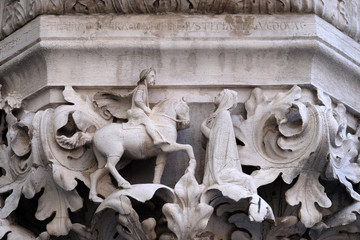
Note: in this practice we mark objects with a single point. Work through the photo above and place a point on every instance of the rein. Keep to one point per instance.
(171, 118)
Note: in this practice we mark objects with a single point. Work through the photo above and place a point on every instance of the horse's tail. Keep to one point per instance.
(79, 139)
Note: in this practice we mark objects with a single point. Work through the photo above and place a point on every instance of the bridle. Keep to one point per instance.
(171, 118)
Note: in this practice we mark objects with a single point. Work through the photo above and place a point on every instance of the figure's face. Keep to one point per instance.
(218, 98)
(150, 78)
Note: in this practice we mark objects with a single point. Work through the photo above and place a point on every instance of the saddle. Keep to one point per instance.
(129, 126)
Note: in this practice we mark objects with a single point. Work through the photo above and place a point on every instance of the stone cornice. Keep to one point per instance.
(342, 14)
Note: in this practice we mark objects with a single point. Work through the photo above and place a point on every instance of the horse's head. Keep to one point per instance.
(175, 110)
(182, 115)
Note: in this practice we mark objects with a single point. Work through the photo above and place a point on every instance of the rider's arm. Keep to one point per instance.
(140, 100)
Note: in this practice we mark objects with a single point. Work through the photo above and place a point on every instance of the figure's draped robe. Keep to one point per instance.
(222, 157)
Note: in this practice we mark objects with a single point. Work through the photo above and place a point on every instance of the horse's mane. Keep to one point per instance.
(162, 104)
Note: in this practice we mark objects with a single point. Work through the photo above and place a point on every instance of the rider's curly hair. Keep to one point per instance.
(144, 73)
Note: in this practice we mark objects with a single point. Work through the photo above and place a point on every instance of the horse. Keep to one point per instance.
(116, 140)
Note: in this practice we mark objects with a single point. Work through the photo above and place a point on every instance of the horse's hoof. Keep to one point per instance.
(192, 166)
(125, 185)
(96, 199)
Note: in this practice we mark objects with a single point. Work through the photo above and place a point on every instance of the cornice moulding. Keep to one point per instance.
(312, 53)
(342, 14)
(267, 108)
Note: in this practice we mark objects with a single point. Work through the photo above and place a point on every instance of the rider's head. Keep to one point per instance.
(147, 75)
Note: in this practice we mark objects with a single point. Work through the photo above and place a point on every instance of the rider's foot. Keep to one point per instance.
(159, 142)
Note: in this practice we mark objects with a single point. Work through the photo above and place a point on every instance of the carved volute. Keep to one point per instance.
(179, 120)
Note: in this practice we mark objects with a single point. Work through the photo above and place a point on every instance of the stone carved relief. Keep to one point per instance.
(301, 151)
(342, 14)
(299, 140)
(223, 171)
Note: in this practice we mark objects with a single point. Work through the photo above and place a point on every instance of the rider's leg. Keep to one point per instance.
(155, 135)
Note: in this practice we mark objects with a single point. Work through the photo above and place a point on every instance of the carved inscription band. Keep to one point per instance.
(344, 15)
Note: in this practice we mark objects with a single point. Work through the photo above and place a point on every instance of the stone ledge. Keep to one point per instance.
(198, 51)
(342, 14)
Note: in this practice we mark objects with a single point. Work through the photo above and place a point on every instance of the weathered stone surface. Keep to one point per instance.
(197, 51)
(342, 14)
(267, 106)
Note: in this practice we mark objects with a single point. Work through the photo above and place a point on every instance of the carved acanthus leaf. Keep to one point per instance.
(34, 161)
(108, 104)
(246, 229)
(344, 163)
(20, 171)
(72, 127)
(308, 191)
(283, 228)
(273, 149)
(10, 102)
(34, 8)
(345, 216)
(129, 225)
(292, 138)
(55, 199)
(22, 185)
(338, 232)
(11, 231)
(188, 216)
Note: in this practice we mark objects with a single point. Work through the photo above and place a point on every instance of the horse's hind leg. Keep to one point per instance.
(159, 167)
(94, 177)
(110, 165)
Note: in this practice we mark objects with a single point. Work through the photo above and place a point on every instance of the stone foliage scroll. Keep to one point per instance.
(298, 177)
(342, 14)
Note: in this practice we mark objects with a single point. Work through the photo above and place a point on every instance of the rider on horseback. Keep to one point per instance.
(140, 111)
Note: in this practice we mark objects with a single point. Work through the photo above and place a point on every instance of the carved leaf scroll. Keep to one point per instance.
(283, 228)
(339, 232)
(293, 138)
(53, 199)
(188, 216)
(72, 127)
(269, 143)
(308, 191)
(345, 216)
(34, 161)
(302, 141)
(57, 200)
(129, 225)
(12, 231)
(344, 163)
(19, 171)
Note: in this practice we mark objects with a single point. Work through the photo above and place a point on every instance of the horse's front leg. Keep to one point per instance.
(159, 167)
(174, 147)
